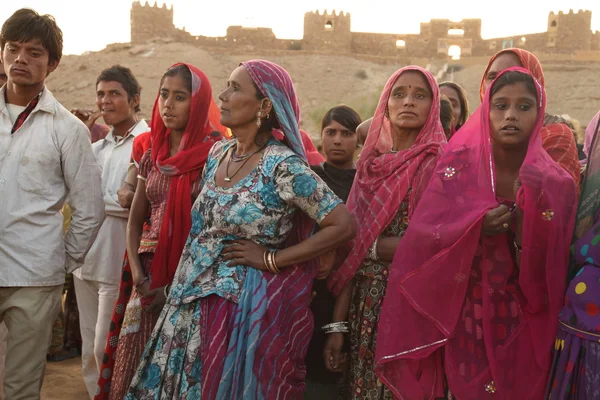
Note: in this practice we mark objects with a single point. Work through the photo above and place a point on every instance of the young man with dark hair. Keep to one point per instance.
(97, 282)
(45, 156)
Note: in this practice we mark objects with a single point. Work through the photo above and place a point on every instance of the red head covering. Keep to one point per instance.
(528, 61)
(184, 168)
(458, 291)
(312, 154)
(557, 139)
(383, 179)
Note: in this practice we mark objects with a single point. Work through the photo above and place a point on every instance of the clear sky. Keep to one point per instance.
(91, 25)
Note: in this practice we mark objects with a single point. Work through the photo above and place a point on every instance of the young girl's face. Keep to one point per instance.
(513, 113)
(174, 103)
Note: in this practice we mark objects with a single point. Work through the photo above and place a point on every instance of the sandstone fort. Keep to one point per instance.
(567, 33)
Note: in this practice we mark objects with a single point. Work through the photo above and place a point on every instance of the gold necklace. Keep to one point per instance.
(228, 177)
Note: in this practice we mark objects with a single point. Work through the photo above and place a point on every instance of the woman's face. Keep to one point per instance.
(503, 61)
(339, 144)
(513, 113)
(454, 98)
(174, 103)
(410, 101)
(239, 105)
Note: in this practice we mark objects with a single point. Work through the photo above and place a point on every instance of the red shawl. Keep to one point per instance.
(383, 179)
(444, 272)
(184, 168)
(557, 139)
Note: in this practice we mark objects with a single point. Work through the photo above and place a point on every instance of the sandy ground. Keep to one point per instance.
(63, 381)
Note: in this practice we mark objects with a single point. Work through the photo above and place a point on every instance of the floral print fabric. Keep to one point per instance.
(260, 207)
(225, 332)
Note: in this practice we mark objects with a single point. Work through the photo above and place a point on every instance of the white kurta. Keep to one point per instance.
(105, 258)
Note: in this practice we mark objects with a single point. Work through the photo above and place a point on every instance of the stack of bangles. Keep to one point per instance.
(269, 260)
(336, 327)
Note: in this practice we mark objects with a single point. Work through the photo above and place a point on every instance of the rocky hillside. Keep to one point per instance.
(322, 81)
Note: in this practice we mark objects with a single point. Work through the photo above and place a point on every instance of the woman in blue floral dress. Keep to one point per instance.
(237, 321)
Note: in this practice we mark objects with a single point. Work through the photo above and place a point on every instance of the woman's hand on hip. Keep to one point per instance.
(158, 301)
(245, 252)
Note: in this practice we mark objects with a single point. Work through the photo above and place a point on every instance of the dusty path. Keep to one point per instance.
(63, 381)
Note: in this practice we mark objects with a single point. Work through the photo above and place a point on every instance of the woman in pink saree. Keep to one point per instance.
(479, 276)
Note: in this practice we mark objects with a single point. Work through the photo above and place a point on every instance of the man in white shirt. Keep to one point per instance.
(45, 156)
(97, 282)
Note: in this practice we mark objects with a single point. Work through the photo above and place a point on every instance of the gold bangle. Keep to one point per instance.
(274, 267)
(275, 262)
(265, 259)
(269, 265)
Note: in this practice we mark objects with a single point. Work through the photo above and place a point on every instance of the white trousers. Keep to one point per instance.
(95, 301)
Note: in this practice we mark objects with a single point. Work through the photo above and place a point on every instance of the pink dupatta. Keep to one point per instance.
(443, 249)
(384, 179)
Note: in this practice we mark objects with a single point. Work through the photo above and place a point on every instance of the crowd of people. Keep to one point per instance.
(212, 252)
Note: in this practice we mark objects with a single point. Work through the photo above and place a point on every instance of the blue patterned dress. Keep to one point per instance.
(238, 332)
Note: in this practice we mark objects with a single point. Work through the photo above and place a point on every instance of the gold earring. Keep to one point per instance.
(258, 120)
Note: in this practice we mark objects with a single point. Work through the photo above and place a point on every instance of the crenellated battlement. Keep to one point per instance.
(330, 31)
(327, 14)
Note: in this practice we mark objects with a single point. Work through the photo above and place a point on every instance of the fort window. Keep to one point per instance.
(454, 52)
(328, 25)
(553, 24)
(400, 44)
(456, 32)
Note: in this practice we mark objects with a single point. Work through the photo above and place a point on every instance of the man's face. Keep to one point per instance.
(27, 63)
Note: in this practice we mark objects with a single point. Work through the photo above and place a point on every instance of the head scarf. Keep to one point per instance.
(184, 168)
(276, 84)
(557, 138)
(441, 250)
(528, 61)
(383, 180)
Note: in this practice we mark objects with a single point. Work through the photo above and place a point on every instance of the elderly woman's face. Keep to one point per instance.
(410, 101)
(239, 105)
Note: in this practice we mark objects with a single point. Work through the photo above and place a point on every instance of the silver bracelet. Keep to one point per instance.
(341, 329)
(335, 325)
(373, 250)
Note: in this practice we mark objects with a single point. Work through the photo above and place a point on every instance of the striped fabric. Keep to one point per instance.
(384, 179)
(275, 83)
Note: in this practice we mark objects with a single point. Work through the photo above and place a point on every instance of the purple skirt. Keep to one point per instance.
(575, 372)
